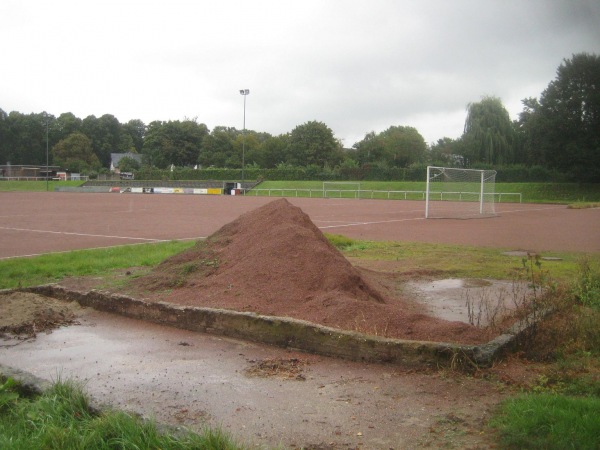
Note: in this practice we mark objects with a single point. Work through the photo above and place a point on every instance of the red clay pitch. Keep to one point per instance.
(43, 222)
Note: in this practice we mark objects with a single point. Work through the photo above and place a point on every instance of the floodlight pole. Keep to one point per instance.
(46, 152)
(244, 92)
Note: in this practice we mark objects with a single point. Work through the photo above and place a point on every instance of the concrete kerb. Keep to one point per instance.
(287, 332)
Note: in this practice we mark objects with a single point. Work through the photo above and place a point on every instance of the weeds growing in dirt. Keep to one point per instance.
(560, 411)
(487, 310)
(587, 288)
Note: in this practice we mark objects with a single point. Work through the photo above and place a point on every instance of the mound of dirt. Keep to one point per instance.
(23, 314)
(275, 261)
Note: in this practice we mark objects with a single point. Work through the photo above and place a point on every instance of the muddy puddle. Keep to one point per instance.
(263, 396)
(476, 301)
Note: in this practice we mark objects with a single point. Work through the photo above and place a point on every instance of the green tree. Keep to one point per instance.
(127, 164)
(174, 142)
(445, 152)
(66, 124)
(488, 134)
(106, 136)
(530, 134)
(26, 137)
(271, 151)
(5, 138)
(218, 148)
(136, 130)
(313, 143)
(248, 144)
(398, 146)
(370, 149)
(75, 153)
(566, 122)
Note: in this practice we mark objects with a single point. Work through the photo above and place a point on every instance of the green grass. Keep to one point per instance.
(564, 193)
(35, 186)
(458, 261)
(449, 261)
(548, 421)
(60, 418)
(584, 205)
(49, 268)
(531, 192)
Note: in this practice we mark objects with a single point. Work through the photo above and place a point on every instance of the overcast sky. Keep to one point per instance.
(356, 65)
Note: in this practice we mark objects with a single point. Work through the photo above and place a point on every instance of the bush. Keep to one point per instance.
(587, 288)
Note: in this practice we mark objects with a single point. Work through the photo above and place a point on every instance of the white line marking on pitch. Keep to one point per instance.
(99, 248)
(354, 224)
(85, 234)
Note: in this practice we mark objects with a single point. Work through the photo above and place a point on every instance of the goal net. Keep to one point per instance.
(459, 193)
(341, 189)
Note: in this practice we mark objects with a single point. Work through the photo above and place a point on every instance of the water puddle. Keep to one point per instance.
(477, 301)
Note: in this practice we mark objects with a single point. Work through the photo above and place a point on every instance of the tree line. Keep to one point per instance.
(560, 131)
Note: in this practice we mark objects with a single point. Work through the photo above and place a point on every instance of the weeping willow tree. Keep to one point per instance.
(489, 135)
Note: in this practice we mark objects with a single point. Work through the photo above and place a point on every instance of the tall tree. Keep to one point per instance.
(136, 129)
(106, 136)
(398, 146)
(370, 149)
(66, 124)
(567, 120)
(488, 134)
(5, 138)
(27, 137)
(445, 152)
(313, 143)
(218, 148)
(174, 142)
(75, 153)
(271, 152)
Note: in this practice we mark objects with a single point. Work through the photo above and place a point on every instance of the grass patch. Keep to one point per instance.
(458, 261)
(563, 193)
(35, 186)
(61, 418)
(451, 261)
(584, 205)
(52, 267)
(549, 421)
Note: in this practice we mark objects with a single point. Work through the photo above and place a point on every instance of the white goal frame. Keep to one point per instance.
(459, 193)
(340, 187)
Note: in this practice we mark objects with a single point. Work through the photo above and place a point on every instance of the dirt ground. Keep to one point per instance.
(23, 314)
(44, 222)
(266, 396)
(272, 261)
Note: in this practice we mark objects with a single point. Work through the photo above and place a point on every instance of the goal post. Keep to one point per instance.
(459, 193)
(341, 189)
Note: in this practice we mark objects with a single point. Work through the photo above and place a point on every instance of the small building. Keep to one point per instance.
(115, 158)
(28, 172)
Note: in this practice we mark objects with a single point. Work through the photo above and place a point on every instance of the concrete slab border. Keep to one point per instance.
(289, 333)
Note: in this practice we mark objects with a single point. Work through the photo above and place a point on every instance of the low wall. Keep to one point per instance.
(287, 332)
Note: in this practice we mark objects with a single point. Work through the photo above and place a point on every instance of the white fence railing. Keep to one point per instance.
(377, 194)
(79, 178)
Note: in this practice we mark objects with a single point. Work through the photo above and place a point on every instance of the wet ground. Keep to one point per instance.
(479, 302)
(261, 395)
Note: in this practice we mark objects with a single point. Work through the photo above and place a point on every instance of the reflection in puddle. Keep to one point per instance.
(466, 300)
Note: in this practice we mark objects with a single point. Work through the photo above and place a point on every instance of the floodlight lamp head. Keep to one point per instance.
(244, 91)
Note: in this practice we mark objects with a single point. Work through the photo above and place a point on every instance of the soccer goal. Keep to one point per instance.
(459, 193)
(341, 189)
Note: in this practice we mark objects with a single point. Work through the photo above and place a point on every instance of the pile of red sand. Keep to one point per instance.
(275, 261)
